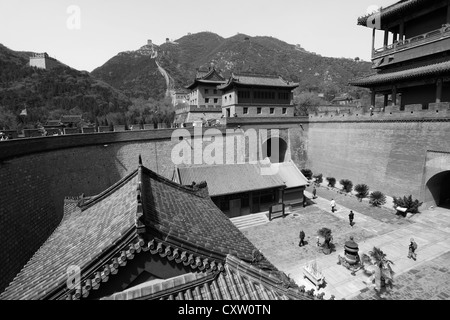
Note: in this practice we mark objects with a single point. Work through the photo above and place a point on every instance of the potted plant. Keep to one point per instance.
(327, 246)
(384, 275)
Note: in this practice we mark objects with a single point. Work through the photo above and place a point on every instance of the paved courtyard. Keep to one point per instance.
(424, 279)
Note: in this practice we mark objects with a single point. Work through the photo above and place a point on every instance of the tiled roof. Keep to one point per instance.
(230, 178)
(437, 69)
(141, 214)
(190, 219)
(290, 174)
(79, 239)
(238, 281)
(257, 80)
(210, 76)
(397, 10)
(71, 118)
(53, 123)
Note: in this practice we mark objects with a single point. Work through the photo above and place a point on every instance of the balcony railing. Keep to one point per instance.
(428, 37)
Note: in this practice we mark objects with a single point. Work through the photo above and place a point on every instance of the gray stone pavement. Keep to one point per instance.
(278, 241)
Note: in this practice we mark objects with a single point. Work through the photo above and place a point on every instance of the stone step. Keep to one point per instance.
(250, 220)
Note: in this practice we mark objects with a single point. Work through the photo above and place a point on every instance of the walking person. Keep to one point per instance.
(333, 205)
(302, 239)
(350, 217)
(314, 191)
(412, 249)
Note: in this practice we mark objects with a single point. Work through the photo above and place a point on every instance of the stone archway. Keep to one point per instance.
(439, 187)
(275, 149)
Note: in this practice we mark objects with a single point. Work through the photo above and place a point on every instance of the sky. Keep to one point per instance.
(85, 34)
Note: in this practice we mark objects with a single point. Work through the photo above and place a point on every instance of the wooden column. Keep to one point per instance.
(438, 90)
(373, 40)
(386, 96)
(394, 39)
(448, 12)
(394, 95)
(402, 31)
(280, 195)
(372, 98)
(386, 37)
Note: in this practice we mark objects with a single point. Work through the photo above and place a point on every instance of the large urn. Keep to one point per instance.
(351, 251)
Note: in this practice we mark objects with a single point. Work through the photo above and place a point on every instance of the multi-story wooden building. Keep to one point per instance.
(413, 65)
(204, 99)
(255, 95)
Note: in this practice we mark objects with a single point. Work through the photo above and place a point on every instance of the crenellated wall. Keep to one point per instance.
(36, 175)
(387, 150)
(396, 152)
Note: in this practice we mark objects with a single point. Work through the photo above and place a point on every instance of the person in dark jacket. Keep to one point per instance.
(302, 239)
(350, 217)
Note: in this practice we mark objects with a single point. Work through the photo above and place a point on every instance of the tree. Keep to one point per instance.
(362, 191)
(378, 259)
(7, 119)
(331, 181)
(305, 103)
(326, 234)
(347, 185)
(318, 178)
(408, 203)
(307, 173)
(377, 198)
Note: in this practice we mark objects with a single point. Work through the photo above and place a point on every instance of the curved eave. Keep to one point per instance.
(239, 84)
(205, 82)
(395, 11)
(438, 69)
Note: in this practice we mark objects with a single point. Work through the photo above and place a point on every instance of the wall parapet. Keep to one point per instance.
(25, 146)
(413, 112)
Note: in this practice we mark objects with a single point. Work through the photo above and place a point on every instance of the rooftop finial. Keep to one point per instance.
(140, 160)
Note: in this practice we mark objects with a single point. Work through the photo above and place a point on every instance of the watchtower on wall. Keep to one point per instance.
(413, 65)
(43, 61)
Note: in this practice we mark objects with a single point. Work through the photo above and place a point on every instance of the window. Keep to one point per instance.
(258, 110)
(245, 110)
(283, 95)
(215, 100)
(215, 91)
(272, 110)
(206, 100)
(206, 91)
(284, 110)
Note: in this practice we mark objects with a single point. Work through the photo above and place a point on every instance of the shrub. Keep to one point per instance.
(347, 185)
(408, 203)
(307, 173)
(377, 198)
(331, 181)
(326, 233)
(362, 191)
(318, 178)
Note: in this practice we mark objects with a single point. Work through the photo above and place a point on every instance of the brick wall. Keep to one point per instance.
(386, 151)
(36, 175)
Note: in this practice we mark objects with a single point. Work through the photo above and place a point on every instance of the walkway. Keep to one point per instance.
(278, 241)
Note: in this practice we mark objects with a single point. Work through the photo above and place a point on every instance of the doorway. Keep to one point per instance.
(439, 187)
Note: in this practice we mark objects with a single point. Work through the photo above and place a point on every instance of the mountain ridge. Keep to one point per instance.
(239, 53)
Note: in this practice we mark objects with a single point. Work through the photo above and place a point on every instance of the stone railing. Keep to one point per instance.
(431, 36)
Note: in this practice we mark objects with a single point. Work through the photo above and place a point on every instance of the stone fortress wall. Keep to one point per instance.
(396, 152)
(36, 175)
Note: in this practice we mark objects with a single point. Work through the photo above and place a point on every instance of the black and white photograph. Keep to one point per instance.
(225, 155)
